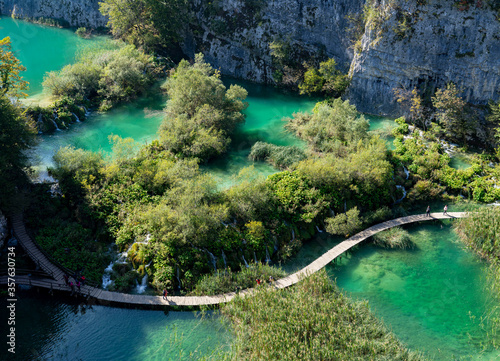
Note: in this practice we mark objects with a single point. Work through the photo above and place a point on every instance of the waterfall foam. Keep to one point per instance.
(141, 288)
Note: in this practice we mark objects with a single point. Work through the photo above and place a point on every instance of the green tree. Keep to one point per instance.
(201, 113)
(10, 68)
(344, 224)
(148, 23)
(16, 136)
(452, 113)
(327, 79)
(331, 127)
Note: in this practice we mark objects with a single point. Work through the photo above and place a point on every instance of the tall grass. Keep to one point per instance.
(311, 321)
(481, 233)
(279, 156)
(224, 281)
(395, 237)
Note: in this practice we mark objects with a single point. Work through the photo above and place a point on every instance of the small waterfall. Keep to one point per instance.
(224, 259)
(319, 230)
(276, 244)
(141, 288)
(76, 118)
(212, 259)
(224, 224)
(244, 260)
(87, 112)
(255, 257)
(106, 277)
(407, 172)
(178, 279)
(55, 124)
(404, 194)
(268, 259)
(293, 235)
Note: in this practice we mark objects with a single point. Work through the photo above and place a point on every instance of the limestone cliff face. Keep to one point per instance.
(235, 36)
(438, 43)
(75, 12)
(422, 46)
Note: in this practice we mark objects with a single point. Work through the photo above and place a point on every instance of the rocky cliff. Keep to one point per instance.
(426, 47)
(414, 43)
(74, 12)
(235, 35)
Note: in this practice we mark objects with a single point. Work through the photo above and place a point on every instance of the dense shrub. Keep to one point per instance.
(104, 76)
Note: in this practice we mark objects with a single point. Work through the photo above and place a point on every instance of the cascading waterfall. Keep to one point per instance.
(141, 288)
(76, 118)
(404, 193)
(55, 124)
(212, 259)
(319, 230)
(268, 259)
(255, 257)
(244, 260)
(276, 244)
(293, 235)
(178, 279)
(87, 112)
(224, 259)
(106, 277)
(407, 172)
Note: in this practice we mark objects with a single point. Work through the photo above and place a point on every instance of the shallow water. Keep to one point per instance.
(52, 329)
(433, 297)
(41, 48)
(459, 161)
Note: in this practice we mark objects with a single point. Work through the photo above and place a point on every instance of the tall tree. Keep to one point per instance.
(10, 69)
(146, 23)
(17, 134)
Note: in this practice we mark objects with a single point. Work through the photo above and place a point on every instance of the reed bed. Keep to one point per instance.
(311, 321)
(396, 237)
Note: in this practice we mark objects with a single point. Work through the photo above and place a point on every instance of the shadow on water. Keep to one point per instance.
(66, 329)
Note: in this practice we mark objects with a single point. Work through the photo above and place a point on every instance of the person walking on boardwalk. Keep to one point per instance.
(428, 211)
(165, 293)
(445, 210)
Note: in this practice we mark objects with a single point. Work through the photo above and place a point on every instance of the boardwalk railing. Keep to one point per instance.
(145, 300)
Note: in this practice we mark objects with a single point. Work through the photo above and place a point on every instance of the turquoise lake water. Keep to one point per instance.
(428, 297)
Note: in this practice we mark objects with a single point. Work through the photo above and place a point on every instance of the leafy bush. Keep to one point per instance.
(105, 76)
(344, 224)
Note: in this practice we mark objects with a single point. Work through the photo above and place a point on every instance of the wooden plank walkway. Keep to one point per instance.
(57, 281)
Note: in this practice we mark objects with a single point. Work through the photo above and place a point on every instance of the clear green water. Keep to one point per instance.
(41, 48)
(49, 329)
(459, 161)
(433, 297)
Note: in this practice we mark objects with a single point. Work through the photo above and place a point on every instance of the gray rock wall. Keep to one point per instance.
(443, 44)
(76, 12)
(312, 25)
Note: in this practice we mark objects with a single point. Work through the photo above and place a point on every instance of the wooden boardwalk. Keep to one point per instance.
(55, 274)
